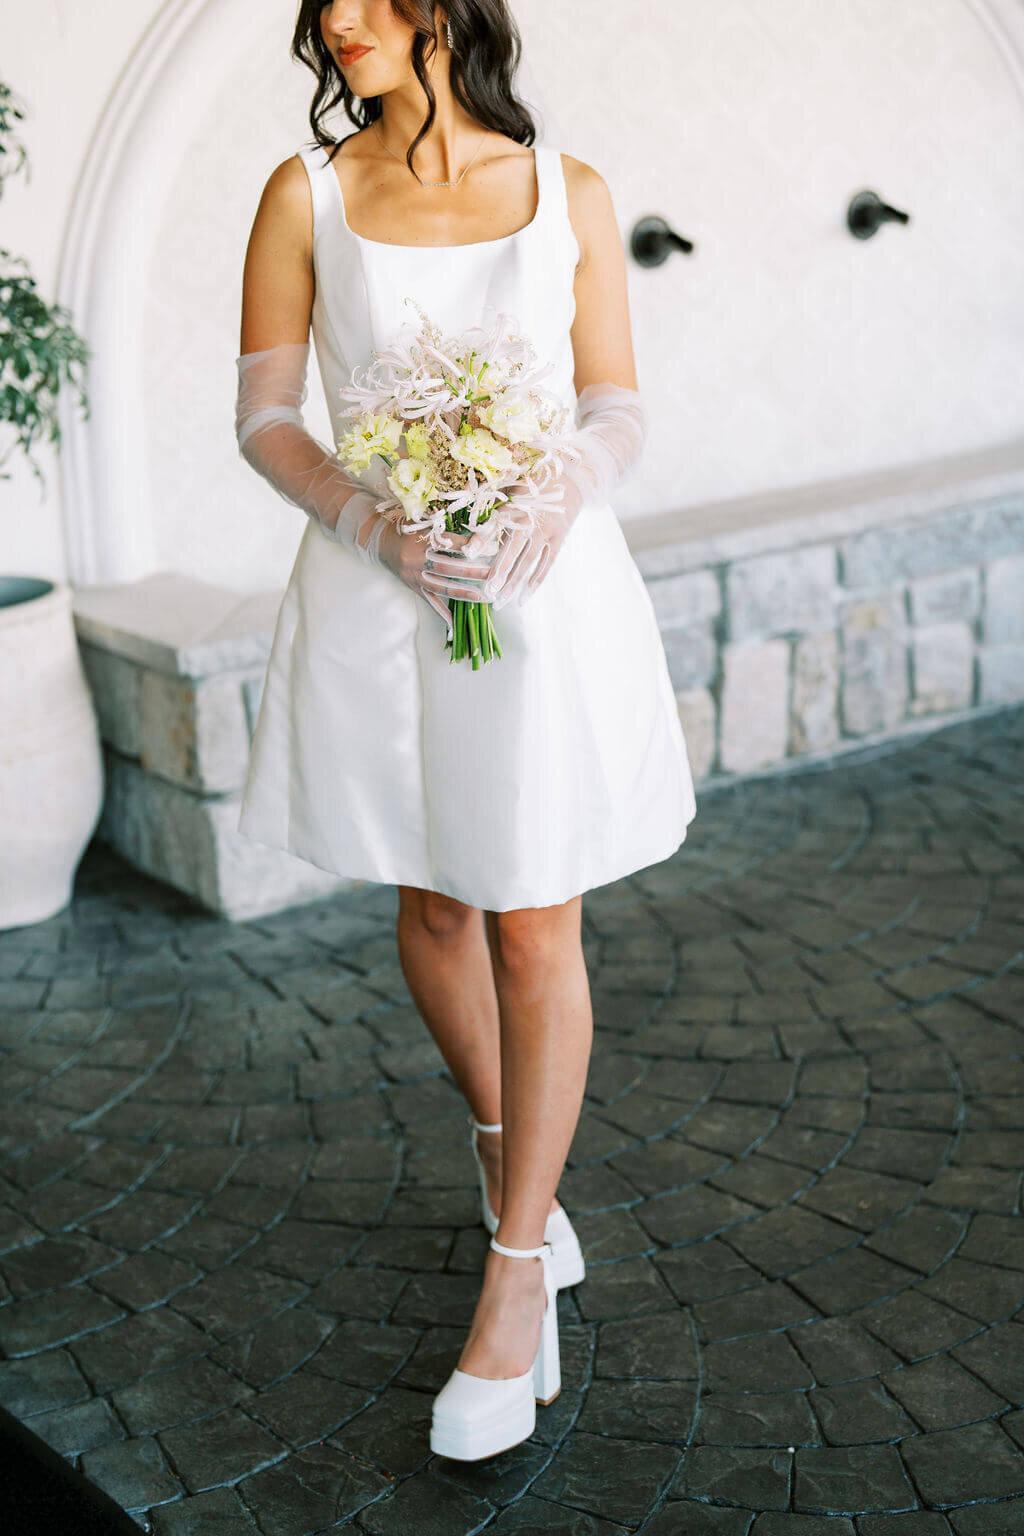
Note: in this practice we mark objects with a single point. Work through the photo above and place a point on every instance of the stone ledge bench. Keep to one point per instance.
(807, 623)
(176, 669)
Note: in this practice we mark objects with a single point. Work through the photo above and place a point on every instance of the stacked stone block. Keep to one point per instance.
(823, 644)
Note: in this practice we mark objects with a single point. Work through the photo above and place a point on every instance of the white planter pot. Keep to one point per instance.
(51, 762)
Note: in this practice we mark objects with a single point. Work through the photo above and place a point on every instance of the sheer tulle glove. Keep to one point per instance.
(608, 442)
(273, 439)
(473, 571)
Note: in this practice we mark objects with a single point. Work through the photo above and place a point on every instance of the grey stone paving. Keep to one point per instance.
(241, 1243)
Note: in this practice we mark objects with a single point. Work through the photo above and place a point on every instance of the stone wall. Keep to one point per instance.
(821, 644)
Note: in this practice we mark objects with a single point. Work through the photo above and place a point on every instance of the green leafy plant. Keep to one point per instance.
(39, 349)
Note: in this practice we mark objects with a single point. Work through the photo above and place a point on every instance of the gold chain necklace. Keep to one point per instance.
(422, 183)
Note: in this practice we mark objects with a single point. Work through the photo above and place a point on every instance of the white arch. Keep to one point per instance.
(1003, 20)
(103, 276)
(104, 264)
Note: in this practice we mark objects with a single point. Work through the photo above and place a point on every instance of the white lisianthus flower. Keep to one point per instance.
(413, 484)
(515, 420)
(482, 451)
(372, 434)
(417, 440)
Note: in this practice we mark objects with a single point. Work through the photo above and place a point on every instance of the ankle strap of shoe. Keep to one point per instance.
(518, 1253)
(482, 1127)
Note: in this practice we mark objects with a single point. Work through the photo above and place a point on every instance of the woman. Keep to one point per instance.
(491, 798)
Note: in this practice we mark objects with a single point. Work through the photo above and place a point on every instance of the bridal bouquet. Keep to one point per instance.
(459, 421)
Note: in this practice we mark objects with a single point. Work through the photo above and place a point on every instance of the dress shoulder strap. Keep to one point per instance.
(318, 169)
(554, 199)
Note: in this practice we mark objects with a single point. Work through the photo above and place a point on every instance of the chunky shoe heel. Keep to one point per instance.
(558, 1229)
(547, 1365)
(477, 1416)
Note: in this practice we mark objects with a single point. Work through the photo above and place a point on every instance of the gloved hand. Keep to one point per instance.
(609, 440)
(474, 570)
(272, 438)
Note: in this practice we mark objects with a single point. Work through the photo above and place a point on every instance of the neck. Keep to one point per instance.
(450, 140)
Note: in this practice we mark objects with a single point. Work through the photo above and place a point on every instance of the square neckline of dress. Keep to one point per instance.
(465, 245)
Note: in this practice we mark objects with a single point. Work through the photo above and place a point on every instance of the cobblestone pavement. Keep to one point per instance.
(242, 1244)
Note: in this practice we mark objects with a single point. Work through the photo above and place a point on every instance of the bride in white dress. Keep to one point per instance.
(491, 798)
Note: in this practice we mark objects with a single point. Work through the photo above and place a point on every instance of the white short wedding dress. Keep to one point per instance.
(560, 766)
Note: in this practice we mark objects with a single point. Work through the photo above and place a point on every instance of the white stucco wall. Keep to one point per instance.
(62, 60)
(783, 352)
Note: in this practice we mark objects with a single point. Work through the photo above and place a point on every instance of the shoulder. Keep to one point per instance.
(285, 216)
(288, 187)
(287, 180)
(591, 209)
(286, 192)
(286, 202)
(584, 183)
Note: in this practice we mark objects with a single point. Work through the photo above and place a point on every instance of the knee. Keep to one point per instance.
(529, 938)
(441, 916)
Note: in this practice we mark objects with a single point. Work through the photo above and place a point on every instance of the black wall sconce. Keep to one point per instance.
(653, 241)
(867, 213)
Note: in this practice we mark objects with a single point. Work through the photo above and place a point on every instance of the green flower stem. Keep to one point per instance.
(473, 633)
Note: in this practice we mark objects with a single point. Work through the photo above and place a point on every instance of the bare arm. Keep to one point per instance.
(601, 339)
(277, 280)
(278, 284)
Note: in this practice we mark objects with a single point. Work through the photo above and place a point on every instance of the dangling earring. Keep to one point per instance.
(449, 27)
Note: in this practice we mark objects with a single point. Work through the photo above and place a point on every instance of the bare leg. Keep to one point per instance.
(445, 959)
(442, 949)
(543, 994)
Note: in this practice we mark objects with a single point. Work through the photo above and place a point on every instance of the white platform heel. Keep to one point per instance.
(558, 1229)
(476, 1416)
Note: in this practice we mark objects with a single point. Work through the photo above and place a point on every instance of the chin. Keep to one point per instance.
(366, 83)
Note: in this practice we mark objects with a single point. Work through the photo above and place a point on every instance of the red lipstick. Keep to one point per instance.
(349, 55)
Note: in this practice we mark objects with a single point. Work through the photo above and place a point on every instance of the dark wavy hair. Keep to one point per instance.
(485, 56)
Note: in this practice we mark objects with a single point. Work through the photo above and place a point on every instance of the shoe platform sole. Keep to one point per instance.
(487, 1441)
